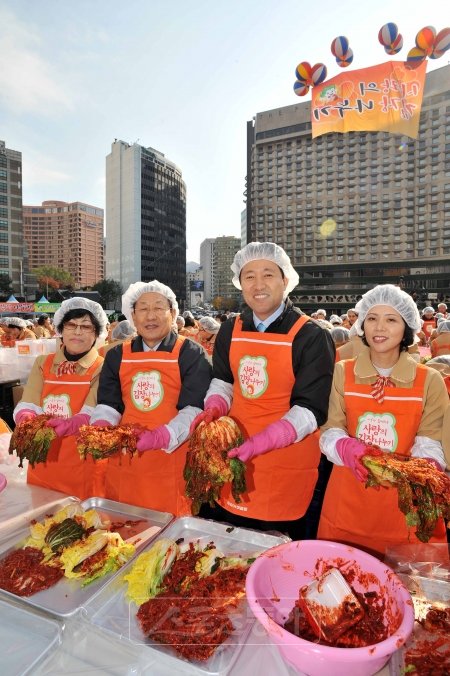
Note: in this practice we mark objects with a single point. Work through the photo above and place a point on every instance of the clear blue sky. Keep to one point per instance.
(182, 77)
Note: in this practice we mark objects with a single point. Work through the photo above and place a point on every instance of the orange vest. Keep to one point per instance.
(440, 345)
(151, 384)
(363, 516)
(64, 470)
(280, 483)
(428, 326)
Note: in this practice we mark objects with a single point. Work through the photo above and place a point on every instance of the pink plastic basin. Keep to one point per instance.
(272, 587)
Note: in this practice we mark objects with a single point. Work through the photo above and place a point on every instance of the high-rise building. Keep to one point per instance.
(145, 218)
(225, 249)
(13, 255)
(356, 209)
(216, 257)
(68, 236)
(207, 265)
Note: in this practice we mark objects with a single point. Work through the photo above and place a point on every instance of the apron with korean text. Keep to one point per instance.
(64, 470)
(280, 483)
(363, 516)
(151, 384)
(428, 326)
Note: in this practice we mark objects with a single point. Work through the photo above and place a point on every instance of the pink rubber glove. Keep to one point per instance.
(215, 407)
(64, 427)
(102, 423)
(277, 435)
(351, 451)
(23, 415)
(152, 440)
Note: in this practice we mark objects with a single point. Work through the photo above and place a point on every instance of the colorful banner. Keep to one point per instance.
(386, 97)
(16, 307)
(46, 307)
(29, 307)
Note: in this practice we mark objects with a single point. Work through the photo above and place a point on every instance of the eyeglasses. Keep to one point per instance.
(84, 328)
(161, 311)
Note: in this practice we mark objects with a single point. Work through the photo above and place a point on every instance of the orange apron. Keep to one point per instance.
(64, 470)
(364, 516)
(280, 483)
(4, 429)
(428, 326)
(438, 349)
(151, 384)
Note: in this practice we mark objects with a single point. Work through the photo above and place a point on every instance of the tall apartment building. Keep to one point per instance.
(216, 257)
(66, 235)
(386, 197)
(145, 218)
(225, 249)
(13, 254)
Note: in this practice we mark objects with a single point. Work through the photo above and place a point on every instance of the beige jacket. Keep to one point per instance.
(435, 402)
(33, 389)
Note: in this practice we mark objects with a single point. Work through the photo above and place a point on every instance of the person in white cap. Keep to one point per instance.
(381, 398)
(429, 322)
(272, 372)
(321, 314)
(441, 344)
(208, 328)
(442, 307)
(65, 385)
(157, 381)
(17, 329)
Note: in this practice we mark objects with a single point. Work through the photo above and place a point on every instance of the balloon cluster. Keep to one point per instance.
(341, 50)
(428, 43)
(308, 76)
(390, 38)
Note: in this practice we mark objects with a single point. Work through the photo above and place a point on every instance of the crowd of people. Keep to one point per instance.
(311, 395)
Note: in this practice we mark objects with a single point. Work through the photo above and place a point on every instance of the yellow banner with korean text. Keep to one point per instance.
(386, 97)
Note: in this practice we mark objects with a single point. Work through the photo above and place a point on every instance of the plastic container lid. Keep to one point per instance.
(25, 638)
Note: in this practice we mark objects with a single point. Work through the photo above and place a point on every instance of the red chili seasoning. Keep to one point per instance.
(23, 573)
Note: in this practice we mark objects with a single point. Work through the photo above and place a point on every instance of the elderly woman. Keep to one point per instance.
(16, 329)
(65, 385)
(386, 399)
(208, 329)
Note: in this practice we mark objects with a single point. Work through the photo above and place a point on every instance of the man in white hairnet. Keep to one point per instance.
(272, 372)
(158, 380)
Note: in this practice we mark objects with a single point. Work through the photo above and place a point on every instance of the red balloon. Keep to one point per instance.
(425, 39)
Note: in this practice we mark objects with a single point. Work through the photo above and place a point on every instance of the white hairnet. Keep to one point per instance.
(442, 305)
(122, 331)
(322, 312)
(17, 321)
(79, 303)
(427, 309)
(188, 313)
(209, 324)
(136, 290)
(334, 319)
(267, 251)
(340, 334)
(325, 324)
(444, 326)
(388, 294)
(180, 320)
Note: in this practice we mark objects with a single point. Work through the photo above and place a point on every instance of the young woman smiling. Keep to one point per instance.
(382, 398)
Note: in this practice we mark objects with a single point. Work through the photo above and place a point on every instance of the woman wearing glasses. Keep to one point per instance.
(65, 385)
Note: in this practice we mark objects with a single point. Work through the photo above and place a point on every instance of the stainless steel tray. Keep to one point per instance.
(68, 596)
(25, 639)
(110, 610)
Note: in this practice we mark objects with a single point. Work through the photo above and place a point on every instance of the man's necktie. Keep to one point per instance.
(261, 328)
